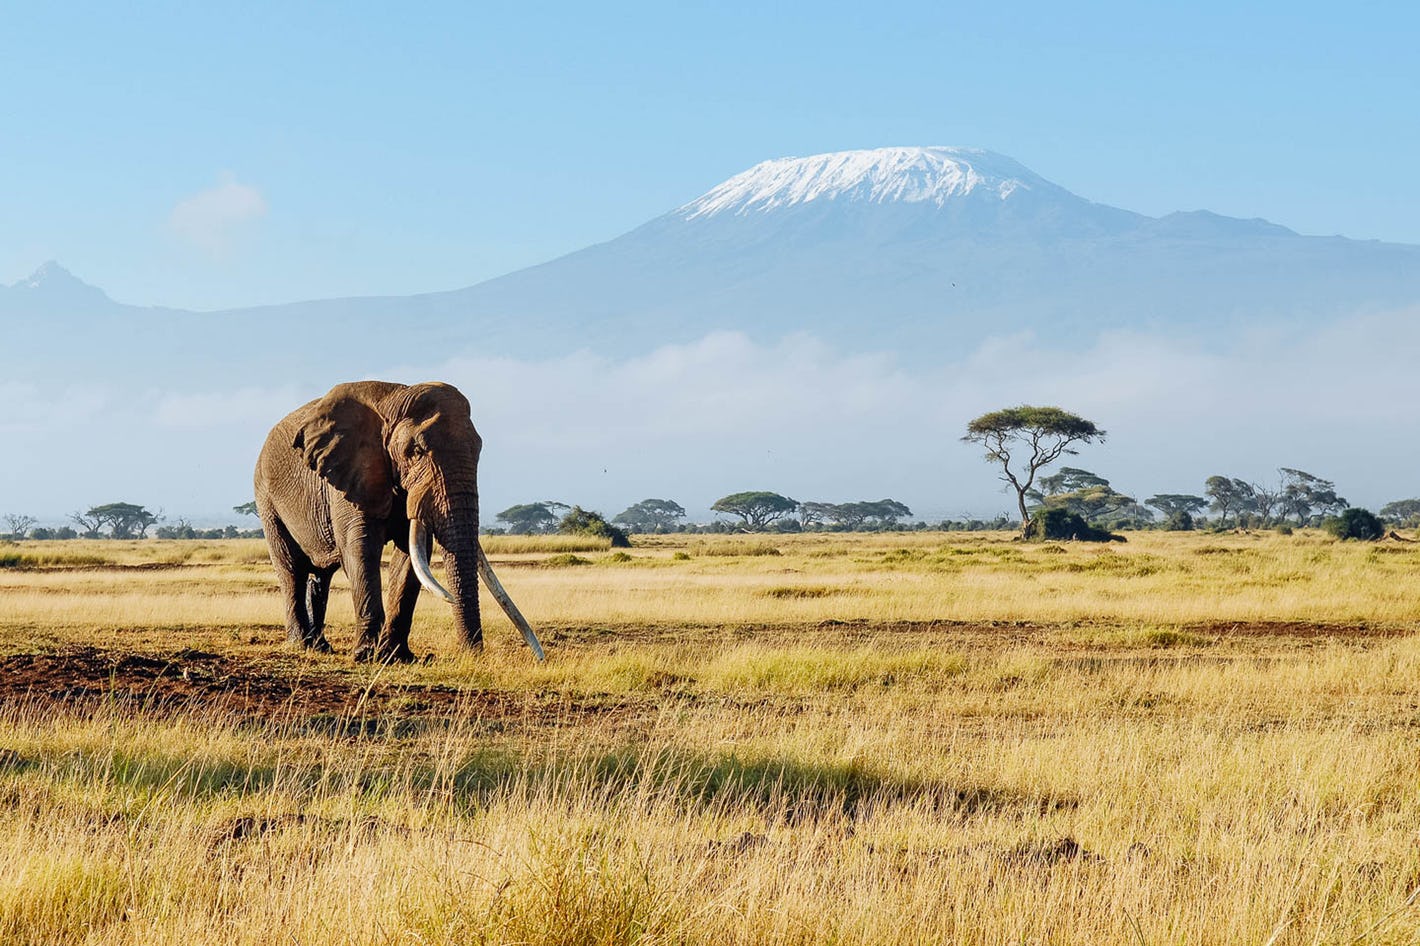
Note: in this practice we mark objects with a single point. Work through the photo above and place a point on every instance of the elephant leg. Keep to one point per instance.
(317, 596)
(293, 571)
(400, 599)
(361, 559)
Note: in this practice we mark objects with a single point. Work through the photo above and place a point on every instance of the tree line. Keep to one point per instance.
(1023, 441)
(122, 520)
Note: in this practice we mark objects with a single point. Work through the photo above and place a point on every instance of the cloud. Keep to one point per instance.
(692, 422)
(241, 408)
(30, 408)
(213, 219)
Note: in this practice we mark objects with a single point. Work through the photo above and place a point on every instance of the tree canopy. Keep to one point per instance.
(1171, 504)
(1304, 495)
(1070, 479)
(531, 518)
(756, 508)
(1228, 494)
(1039, 435)
(650, 515)
(1401, 512)
(123, 521)
(877, 514)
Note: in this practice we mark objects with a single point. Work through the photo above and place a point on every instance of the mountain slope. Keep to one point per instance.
(918, 250)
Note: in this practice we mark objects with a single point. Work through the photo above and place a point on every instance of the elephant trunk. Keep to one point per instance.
(457, 532)
(465, 562)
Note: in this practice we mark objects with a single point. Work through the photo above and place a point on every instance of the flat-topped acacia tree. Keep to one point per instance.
(757, 509)
(1037, 435)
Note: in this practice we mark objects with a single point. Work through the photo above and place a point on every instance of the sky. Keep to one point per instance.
(216, 155)
(212, 155)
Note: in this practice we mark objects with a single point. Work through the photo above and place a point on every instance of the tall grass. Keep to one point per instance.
(875, 740)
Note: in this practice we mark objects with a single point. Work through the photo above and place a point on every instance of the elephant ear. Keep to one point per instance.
(342, 439)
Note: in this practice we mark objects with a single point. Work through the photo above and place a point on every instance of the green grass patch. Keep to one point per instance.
(748, 549)
(23, 560)
(800, 670)
(801, 591)
(566, 559)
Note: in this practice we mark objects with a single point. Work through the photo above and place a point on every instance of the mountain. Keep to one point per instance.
(52, 290)
(915, 250)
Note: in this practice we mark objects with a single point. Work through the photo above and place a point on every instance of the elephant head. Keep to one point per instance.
(384, 446)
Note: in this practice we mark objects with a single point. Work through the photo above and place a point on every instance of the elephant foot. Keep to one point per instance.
(397, 655)
(317, 644)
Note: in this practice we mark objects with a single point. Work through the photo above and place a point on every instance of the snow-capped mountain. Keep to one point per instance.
(879, 176)
(913, 250)
(51, 290)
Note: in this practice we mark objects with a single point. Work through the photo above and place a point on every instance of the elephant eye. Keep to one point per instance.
(417, 449)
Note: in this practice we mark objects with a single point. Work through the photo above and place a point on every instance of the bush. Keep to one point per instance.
(1284, 528)
(1180, 521)
(584, 522)
(1063, 524)
(1355, 523)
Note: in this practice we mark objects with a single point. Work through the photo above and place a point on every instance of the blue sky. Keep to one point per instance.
(210, 155)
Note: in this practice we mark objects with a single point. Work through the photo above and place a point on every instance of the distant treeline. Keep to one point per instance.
(122, 521)
(1297, 499)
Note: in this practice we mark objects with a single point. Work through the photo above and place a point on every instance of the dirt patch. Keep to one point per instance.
(968, 634)
(1298, 629)
(270, 688)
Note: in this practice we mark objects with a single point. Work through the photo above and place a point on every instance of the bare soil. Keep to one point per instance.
(283, 684)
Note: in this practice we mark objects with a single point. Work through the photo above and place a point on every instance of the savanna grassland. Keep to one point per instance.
(911, 738)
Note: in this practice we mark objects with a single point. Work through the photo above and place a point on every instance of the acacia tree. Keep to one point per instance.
(17, 524)
(1070, 479)
(880, 513)
(1401, 512)
(124, 520)
(1038, 436)
(1303, 495)
(1178, 508)
(756, 508)
(1171, 504)
(1227, 495)
(529, 518)
(650, 515)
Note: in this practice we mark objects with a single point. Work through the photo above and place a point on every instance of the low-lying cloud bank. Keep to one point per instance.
(693, 422)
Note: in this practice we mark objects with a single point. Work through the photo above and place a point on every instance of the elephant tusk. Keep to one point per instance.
(418, 542)
(495, 587)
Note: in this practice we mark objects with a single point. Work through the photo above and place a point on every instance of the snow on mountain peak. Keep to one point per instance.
(881, 175)
(49, 273)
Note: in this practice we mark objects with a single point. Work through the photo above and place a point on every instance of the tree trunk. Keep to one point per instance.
(1025, 517)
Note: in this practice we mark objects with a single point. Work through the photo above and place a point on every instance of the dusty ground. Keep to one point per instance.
(277, 681)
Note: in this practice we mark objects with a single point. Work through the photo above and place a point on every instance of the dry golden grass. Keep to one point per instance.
(911, 738)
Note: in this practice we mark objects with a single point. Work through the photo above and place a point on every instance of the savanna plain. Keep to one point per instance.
(886, 738)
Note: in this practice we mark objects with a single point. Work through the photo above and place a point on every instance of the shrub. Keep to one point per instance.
(1063, 524)
(1355, 523)
(585, 522)
(1180, 521)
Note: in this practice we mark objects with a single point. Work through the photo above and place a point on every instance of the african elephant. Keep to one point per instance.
(371, 463)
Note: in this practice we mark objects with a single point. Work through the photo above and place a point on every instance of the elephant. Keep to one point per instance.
(369, 463)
